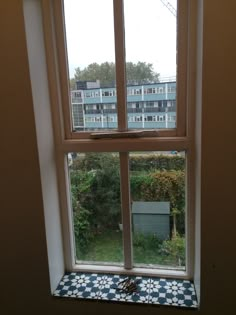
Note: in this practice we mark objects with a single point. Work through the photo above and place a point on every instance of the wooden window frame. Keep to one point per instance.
(66, 140)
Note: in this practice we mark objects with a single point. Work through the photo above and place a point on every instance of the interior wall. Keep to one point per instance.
(25, 284)
(45, 139)
(23, 260)
(218, 155)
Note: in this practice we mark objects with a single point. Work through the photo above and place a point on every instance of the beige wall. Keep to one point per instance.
(24, 280)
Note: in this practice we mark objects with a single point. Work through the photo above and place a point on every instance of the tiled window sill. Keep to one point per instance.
(150, 290)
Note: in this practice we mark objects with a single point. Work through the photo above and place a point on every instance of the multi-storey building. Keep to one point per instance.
(148, 106)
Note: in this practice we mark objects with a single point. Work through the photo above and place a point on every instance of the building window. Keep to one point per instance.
(138, 118)
(137, 91)
(115, 185)
(150, 91)
(171, 89)
(149, 104)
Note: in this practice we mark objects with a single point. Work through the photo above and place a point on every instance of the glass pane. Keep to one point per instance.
(95, 195)
(157, 181)
(151, 63)
(91, 58)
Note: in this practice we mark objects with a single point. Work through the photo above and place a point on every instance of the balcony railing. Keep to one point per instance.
(131, 110)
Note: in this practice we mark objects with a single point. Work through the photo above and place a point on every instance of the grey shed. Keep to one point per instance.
(152, 217)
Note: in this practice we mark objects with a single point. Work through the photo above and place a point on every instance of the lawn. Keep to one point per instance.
(108, 247)
(104, 247)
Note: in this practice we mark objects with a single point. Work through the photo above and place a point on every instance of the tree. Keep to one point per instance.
(138, 73)
(141, 72)
(96, 188)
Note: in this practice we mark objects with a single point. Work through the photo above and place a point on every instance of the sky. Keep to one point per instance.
(150, 33)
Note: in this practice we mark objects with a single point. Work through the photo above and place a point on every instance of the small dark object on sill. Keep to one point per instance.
(128, 286)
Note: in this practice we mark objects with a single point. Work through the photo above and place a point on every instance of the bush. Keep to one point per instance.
(96, 161)
(146, 241)
(165, 186)
(139, 162)
(82, 229)
(174, 248)
(150, 162)
(98, 190)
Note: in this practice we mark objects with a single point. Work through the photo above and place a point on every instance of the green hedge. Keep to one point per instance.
(153, 162)
(138, 162)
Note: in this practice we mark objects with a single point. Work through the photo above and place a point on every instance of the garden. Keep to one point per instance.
(95, 193)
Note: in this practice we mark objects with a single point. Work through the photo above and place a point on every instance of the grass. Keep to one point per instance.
(105, 247)
(108, 247)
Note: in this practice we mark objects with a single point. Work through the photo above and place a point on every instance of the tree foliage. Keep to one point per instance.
(163, 186)
(137, 73)
(98, 189)
(95, 186)
(140, 163)
(153, 162)
(174, 248)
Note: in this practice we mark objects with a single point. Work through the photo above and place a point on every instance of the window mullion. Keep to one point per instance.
(182, 56)
(125, 204)
(120, 63)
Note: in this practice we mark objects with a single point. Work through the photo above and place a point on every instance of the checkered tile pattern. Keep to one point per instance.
(150, 290)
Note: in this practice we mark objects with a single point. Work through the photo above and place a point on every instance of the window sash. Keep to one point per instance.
(124, 147)
(60, 49)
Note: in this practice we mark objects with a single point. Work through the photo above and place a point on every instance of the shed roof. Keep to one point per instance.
(151, 207)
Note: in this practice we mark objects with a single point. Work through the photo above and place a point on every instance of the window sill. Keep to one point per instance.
(150, 290)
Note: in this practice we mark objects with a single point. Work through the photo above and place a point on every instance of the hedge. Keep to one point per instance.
(138, 162)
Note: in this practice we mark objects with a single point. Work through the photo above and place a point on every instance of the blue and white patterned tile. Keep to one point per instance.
(110, 290)
(172, 292)
(66, 285)
(157, 292)
(107, 287)
(79, 285)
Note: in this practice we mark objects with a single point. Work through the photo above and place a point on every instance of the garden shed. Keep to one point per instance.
(151, 217)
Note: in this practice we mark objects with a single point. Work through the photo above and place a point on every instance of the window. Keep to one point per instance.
(121, 178)
(171, 89)
(137, 91)
(109, 93)
(150, 104)
(138, 118)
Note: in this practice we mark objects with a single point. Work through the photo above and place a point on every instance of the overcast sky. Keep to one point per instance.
(150, 30)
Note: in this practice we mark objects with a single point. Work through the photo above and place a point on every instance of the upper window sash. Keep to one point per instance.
(54, 22)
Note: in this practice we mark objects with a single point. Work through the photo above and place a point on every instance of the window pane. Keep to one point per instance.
(91, 56)
(95, 194)
(151, 63)
(157, 181)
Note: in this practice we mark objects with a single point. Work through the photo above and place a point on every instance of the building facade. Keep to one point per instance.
(148, 106)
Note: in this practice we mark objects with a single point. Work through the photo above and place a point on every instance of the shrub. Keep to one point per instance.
(165, 186)
(146, 241)
(82, 229)
(139, 162)
(98, 190)
(150, 162)
(174, 248)
(95, 161)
